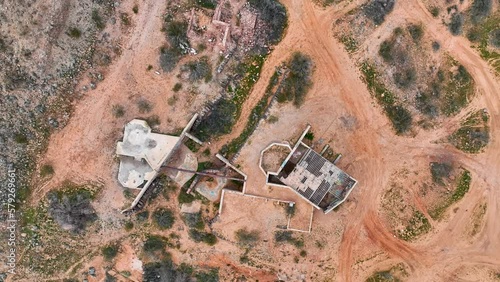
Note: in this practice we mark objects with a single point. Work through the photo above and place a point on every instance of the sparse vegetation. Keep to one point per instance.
(473, 135)
(164, 218)
(477, 219)
(185, 198)
(135, 9)
(350, 44)
(225, 111)
(417, 225)
(129, 225)
(400, 117)
(383, 276)
(247, 238)
(298, 80)
(153, 120)
(461, 189)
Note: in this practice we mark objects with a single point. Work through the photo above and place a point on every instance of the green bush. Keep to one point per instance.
(287, 236)
(385, 51)
(154, 243)
(109, 252)
(455, 26)
(400, 117)
(74, 32)
(480, 9)
(199, 69)
(177, 87)
(194, 220)
(135, 9)
(416, 32)
(247, 238)
(200, 236)
(46, 170)
(129, 225)
(20, 138)
(376, 10)
(144, 106)
(495, 37)
(118, 111)
(164, 218)
(435, 11)
(185, 198)
(142, 216)
(97, 19)
(274, 14)
(298, 80)
(440, 171)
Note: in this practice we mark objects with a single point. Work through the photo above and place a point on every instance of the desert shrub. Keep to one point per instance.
(110, 278)
(193, 220)
(177, 87)
(74, 32)
(274, 14)
(400, 117)
(144, 106)
(129, 225)
(298, 81)
(142, 216)
(495, 37)
(199, 69)
(287, 236)
(118, 111)
(376, 10)
(470, 139)
(135, 9)
(385, 51)
(480, 9)
(208, 276)
(246, 238)
(272, 119)
(416, 32)
(436, 46)
(435, 11)
(169, 59)
(109, 252)
(440, 171)
(164, 218)
(201, 236)
(150, 67)
(71, 209)
(153, 120)
(125, 19)
(46, 170)
(155, 243)
(474, 34)
(455, 26)
(185, 198)
(383, 276)
(207, 4)
(20, 138)
(426, 105)
(309, 136)
(97, 19)
(176, 32)
(405, 78)
(459, 88)
(303, 253)
(218, 121)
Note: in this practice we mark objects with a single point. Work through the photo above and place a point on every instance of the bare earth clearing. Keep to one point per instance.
(356, 240)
